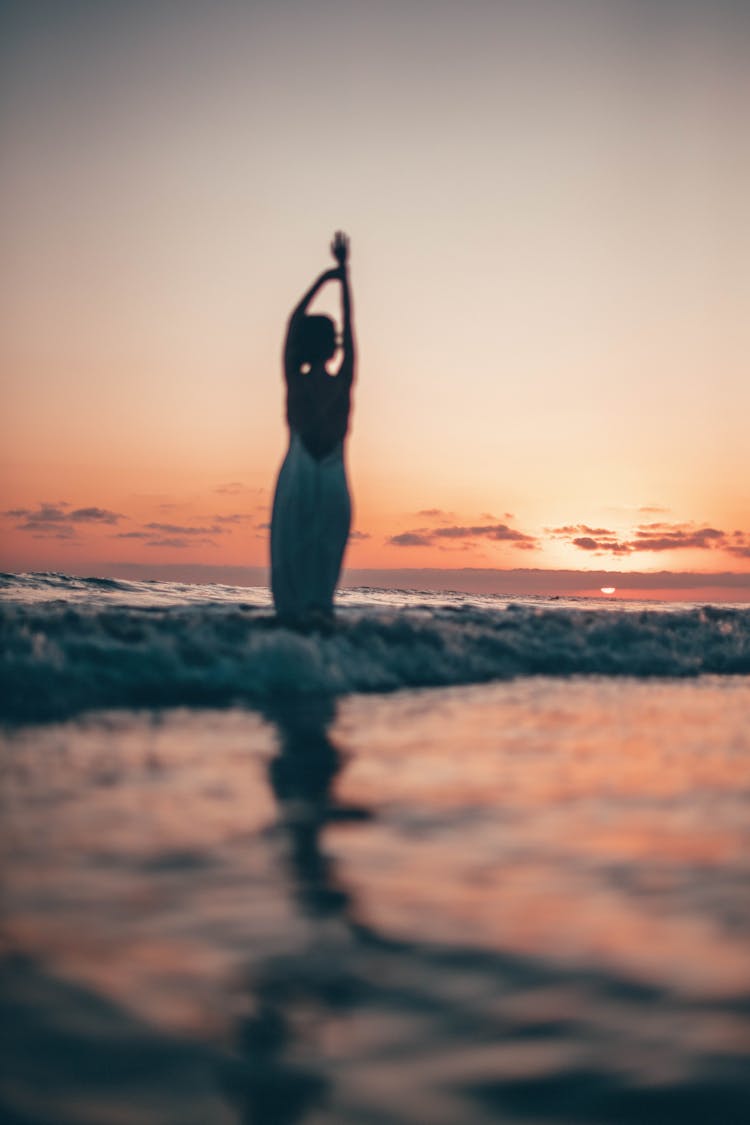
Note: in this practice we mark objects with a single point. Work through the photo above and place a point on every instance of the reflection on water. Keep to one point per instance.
(268, 1087)
(447, 907)
(301, 776)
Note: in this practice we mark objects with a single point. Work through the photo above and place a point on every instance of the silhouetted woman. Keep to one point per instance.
(311, 507)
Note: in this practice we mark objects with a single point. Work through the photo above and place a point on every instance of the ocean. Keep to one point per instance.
(459, 860)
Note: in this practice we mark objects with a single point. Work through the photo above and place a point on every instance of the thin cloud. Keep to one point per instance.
(174, 535)
(496, 532)
(578, 529)
(410, 539)
(184, 529)
(43, 513)
(662, 537)
(655, 536)
(94, 515)
(632, 511)
(233, 488)
(740, 545)
(359, 535)
(613, 546)
(67, 534)
(179, 542)
(51, 517)
(233, 518)
(237, 488)
(436, 514)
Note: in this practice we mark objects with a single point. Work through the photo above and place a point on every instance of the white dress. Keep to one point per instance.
(309, 529)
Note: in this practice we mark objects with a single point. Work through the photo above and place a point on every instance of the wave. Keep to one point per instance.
(47, 586)
(61, 657)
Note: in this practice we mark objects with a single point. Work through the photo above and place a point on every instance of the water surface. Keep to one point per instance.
(520, 901)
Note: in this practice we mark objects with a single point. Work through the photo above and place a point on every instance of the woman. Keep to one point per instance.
(311, 507)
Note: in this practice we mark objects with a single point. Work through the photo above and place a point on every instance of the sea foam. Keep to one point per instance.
(64, 655)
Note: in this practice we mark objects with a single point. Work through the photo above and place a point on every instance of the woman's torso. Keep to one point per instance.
(317, 408)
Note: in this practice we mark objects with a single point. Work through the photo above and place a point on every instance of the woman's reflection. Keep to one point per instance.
(270, 1086)
(302, 775)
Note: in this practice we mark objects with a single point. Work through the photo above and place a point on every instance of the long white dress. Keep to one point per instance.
(309, 528)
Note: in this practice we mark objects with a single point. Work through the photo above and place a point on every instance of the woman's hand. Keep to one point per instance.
(340, 248)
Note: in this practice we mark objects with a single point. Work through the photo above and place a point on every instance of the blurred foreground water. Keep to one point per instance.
(522, 901)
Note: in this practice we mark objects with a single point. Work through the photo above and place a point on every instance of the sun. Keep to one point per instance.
(608, 589)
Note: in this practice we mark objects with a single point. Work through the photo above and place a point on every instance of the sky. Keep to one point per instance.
(547, 203)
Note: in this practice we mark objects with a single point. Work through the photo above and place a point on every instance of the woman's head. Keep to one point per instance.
(316, 339)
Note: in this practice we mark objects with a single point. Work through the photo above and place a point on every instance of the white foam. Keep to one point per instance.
(65, 655)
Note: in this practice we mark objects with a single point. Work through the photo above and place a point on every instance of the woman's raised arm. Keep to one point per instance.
(340, 251)
(301, 308)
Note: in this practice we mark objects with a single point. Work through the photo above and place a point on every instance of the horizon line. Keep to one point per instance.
(482, 580)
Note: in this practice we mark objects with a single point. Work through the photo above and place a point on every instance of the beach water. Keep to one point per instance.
(462, 860)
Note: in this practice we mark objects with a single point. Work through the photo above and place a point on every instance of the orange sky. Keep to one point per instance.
(547, 205)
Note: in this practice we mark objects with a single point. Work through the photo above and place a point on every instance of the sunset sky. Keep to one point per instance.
(548, 208)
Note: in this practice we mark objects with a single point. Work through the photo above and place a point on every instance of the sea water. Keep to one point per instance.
(462, 859)
(73, 644)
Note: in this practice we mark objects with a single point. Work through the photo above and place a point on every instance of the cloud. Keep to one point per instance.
(655, 536)
(666, 537)
(591, 538)
(179, 542)
(359, 535)
(436, 514)
(410, 539)
(233, 517)
(50, 520)
(94, 515)
(496, 532)
(184, 529)
(237, 488)
(578, 529)
(233, 488)
(445, 516)
(633, 511)
(739, 546)
(43, 513)
(177, 535)
(68, 534)
(616, 547)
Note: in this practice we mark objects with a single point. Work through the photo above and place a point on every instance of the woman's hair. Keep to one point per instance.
(315, 339)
